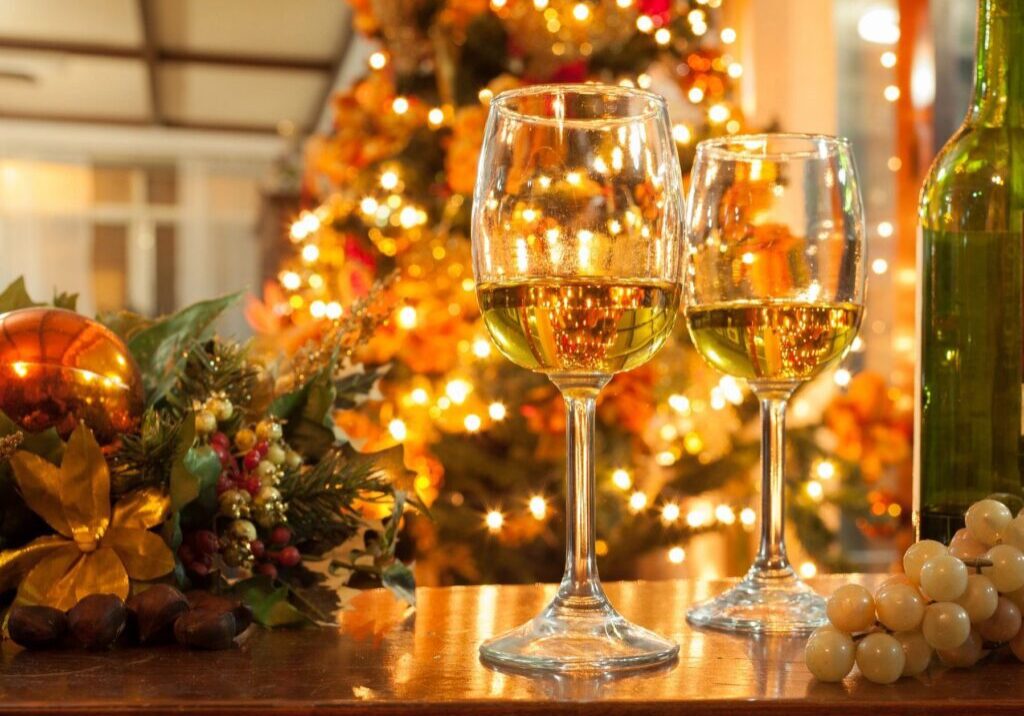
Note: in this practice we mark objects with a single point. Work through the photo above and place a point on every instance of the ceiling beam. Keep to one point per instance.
(325, 96)
(149, 53)
(170, 55)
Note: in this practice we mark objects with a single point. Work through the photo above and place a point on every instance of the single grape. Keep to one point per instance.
(986, 519)
(1013, 533)
(1017, 598)
(900, 607)
(895, 579)
(966, 655)
(916, 652)
(1007, 570)
(964, 546)
(980, 598)
(851, 608)
(1004, 623)
(880, 658)
(1017, 645)
(919, 553)
(829, 654)
(945, 625)
(943, 578)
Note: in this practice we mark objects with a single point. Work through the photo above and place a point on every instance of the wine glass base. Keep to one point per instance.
(578, 640)
(776, 602)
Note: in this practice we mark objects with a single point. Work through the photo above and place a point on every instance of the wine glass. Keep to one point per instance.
(774, 292)
(577, 250)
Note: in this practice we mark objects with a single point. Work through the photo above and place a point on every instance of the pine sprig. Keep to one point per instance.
(217, 366)
(321, 500)
(145, 458)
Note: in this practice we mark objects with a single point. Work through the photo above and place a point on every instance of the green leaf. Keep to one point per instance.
(357, 386)
(67, 301)
(15, 296)
(269, 604)
(195, 470)
(170, 531)
(124, 323)
(399, 580)
(46, 443)
(307, 412)
(159, 348)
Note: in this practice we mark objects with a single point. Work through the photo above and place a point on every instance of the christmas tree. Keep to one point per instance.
(389, 193)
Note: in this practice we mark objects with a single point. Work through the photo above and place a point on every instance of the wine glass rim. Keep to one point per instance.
(757, 147)
(654, 104)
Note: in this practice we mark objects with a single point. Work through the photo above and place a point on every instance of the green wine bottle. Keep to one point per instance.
(971, 301)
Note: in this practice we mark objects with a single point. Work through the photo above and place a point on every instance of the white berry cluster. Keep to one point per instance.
(939, 605)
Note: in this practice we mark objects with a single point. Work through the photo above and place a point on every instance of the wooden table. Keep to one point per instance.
(385, 661)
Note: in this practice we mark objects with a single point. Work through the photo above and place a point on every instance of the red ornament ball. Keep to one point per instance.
(58, 368)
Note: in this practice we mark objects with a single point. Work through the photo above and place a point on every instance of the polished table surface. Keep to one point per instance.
(385, 660)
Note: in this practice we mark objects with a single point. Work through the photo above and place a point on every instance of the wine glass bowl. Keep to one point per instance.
(774, 294)
(577, 246)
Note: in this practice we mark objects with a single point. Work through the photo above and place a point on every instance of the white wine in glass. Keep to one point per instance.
(774, 292)
(577, 251)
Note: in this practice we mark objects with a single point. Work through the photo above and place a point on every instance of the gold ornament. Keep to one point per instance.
(234, 503)
(58, 368)
(268, 507)
(96, 550)
(237, 550)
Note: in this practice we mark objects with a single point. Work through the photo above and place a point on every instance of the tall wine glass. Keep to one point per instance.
(774, 291)
(577, 249)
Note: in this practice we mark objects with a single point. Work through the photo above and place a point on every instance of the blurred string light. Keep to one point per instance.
(452, 399)
(879, 25)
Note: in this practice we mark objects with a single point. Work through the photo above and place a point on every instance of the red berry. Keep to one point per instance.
(223, 453)
(224, 483)
(280, 535)
(261, 447)
(258, 548)
(206, 542)
(268, 569)
(251, 484)
(252, 459)
(289, 557)
(219, 439)
(199, 569)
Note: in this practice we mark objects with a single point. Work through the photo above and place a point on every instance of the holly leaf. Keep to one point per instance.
(307, 414)
(270, 605)
(399, 580)
(388, 464)
(18, 523)
(16, 296)
(160, 347)
(67, 301)
(195, 471)
(125, 324)
(358, 385)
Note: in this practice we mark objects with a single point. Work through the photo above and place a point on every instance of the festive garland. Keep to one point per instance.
(136, 451)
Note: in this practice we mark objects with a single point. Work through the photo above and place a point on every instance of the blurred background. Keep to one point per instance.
(157, 152)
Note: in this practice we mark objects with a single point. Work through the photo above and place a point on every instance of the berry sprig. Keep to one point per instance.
(937, 607)
(252, 466)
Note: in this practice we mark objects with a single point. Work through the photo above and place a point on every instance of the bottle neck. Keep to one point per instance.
(999, 74)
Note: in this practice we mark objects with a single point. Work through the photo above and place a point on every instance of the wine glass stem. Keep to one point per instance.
(771, 556)
(580, 586)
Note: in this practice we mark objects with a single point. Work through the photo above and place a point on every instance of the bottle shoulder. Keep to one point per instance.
(976, 182)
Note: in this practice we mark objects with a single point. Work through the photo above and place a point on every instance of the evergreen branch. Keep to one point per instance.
(145, 458)
(321, 500)
(216, 366)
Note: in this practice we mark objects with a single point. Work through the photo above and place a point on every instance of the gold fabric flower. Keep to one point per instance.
(96, 550)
